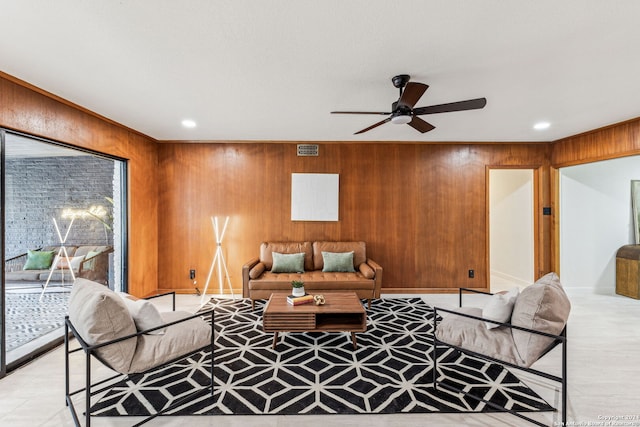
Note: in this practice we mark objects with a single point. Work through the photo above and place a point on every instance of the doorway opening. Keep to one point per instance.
(596, 219)
(511, 228)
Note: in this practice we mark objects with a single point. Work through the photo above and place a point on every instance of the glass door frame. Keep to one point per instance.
(3, 352)
(123, 221)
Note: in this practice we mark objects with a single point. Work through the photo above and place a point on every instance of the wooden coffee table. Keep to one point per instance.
(342, 312)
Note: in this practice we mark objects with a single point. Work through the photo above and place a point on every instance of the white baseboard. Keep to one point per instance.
(500, 279)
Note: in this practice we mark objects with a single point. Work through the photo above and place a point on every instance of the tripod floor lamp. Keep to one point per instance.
(218, 262)
(62, 251)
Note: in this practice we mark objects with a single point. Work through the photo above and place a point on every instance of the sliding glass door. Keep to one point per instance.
(62, 218)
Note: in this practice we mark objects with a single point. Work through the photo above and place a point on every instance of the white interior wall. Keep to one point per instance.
(511, 227)
(595, 221)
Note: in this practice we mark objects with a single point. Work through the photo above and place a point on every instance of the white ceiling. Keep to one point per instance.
(273, 70)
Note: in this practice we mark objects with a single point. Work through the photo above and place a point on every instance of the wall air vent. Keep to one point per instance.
(307, 149)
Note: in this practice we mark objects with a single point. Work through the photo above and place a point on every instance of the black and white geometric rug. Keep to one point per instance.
(320, 373)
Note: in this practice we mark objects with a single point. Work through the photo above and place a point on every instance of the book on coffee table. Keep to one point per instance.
(305, 299)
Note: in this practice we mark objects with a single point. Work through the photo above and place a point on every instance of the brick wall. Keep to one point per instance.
(40, 189)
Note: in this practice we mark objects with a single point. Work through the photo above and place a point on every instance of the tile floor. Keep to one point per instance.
(604, 379)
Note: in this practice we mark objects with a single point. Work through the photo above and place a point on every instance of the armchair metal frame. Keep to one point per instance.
(106, 384)
(557, 339)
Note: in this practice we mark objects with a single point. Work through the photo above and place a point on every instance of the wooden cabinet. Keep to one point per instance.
(628, 271)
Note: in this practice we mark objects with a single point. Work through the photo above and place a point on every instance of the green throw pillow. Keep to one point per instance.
(38, 260)
(338, 262)
(287, 263)
(91, 254)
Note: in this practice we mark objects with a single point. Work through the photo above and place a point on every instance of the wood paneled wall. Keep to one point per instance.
(30, 110)
(421, 208)
(610, 142)
(619, 140)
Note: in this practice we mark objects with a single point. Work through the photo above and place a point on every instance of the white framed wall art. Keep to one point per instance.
(314, 196)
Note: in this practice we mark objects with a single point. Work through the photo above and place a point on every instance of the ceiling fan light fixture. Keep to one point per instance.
(403, 110)
(401, 119)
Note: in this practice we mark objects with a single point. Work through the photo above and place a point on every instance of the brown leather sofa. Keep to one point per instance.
(259, 282)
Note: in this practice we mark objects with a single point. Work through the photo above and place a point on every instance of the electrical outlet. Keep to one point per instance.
(192, 274)
(472, 274)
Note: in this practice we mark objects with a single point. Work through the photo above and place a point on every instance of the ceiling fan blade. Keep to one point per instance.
(471, 104)
(388, 119)
(411, 94)
(420, 125)
(361, 112)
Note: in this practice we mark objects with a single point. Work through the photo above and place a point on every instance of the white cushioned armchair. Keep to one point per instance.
(517, 331)
(129, 336)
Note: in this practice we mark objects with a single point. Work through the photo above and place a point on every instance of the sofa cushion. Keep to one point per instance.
(90, 260)
(267, 248)
(85, 250)
(99, 315)
(73, 264)
(543, 307)
(287, 263)
(312, 280)
(366, 270)
(256, 270)
(472, 334)
(178, 340)
(38, 260)
(499, 307)
(71, 250)
(91, 254)
(359, 252)
(56, 275)
(145, 315)
(338, 262)
(30, 275)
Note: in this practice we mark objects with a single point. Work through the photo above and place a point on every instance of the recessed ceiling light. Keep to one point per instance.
(541, 125)
(188, 123)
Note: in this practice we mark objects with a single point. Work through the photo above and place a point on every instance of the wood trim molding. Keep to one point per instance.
(554, 185)
(609, 142)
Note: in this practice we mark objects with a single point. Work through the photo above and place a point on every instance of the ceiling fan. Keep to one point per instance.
(402, 111)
